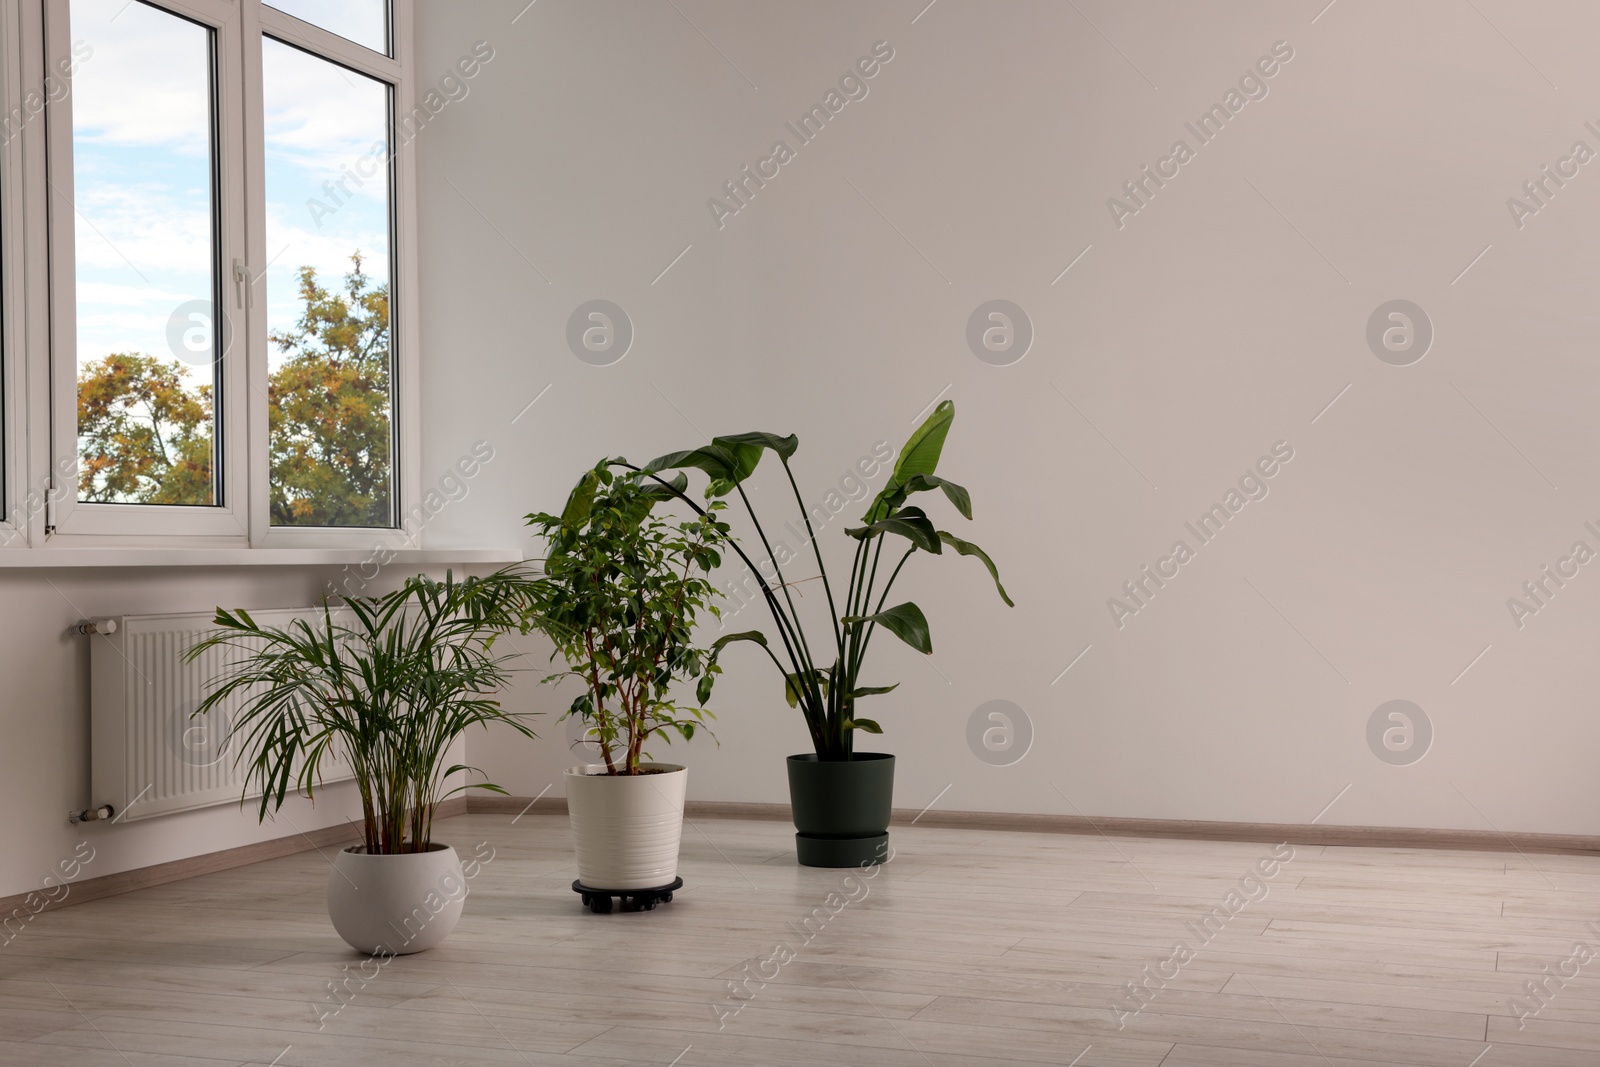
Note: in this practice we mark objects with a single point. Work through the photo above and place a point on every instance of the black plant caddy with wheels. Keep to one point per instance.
(599, 900)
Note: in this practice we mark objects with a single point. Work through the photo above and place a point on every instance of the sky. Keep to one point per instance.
(142, 173)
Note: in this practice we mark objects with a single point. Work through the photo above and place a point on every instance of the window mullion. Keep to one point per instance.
(253, 332)
(234, 273)
(24, 273)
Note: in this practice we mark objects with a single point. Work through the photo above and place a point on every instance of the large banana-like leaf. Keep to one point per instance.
(703, 687)
(655, 492)
(910, 523)
(895, 495)
(967, 548)
(730, 459)
(906, 621)
(954, 493)
(727, 467)
(746, 449)
(745, 635)
(783, 446)
(919, 455)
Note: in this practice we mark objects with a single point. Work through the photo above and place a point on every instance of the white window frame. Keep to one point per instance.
(47, 449)
(22, 504)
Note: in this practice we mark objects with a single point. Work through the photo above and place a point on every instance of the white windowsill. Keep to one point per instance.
(247, 557)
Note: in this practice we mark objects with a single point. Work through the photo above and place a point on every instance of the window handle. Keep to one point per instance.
(243, 294)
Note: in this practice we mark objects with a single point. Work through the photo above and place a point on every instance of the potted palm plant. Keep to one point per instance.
(385, 684)
(620, 596)
(841, 797)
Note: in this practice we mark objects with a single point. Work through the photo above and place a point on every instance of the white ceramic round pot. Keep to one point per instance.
(626, 827)
(394, 905)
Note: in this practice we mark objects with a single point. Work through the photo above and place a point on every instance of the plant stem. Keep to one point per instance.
(838, 635)
(808, 676)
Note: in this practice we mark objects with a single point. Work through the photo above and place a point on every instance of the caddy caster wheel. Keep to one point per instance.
(600, 905)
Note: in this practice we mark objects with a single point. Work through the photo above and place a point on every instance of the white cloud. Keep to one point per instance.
(147, 82)
(320, 117)
(111, 295)
(154, 228)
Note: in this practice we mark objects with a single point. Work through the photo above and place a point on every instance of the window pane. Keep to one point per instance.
(328, 283)
(366, 22)
(146, 251)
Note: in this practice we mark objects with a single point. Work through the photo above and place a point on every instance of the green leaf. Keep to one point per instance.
(967, 548)
(783, 446)
(920, 454)
(953, 492)
(794, 690)
(905, 621)
(655, 492)
(873, 690)
(581, 501)
(747, 635)
(703, 687)
(910, 523)
(726, 468)
(863, 724)
(730, 459)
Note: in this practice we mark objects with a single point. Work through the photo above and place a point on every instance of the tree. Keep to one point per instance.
(144, 433)
(145, 427)
(328, 407)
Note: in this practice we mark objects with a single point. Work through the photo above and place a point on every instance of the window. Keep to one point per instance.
(230, 339)
(145, 256)
(328, 212)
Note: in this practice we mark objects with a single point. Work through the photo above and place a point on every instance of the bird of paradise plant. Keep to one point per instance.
(824, 682)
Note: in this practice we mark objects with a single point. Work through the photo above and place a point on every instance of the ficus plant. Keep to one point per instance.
(622, 591)
(385, 684)
(824, 681)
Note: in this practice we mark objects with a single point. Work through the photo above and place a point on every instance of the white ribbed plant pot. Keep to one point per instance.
(395, 905)
(626, 828)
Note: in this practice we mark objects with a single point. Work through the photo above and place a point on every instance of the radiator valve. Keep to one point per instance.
(96, 626)
(104, 811)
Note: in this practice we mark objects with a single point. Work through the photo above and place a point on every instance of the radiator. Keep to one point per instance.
(148, 757)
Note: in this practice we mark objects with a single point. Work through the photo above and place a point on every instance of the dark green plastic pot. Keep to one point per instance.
(841, 809)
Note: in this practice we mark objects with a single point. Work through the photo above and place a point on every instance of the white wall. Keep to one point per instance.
(1220, 319)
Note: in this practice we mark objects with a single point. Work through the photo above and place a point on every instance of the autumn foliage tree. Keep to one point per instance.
(144, 432)
(328, 407)
(146, 426)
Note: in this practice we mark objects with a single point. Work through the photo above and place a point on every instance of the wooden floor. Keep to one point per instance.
(969, 949)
